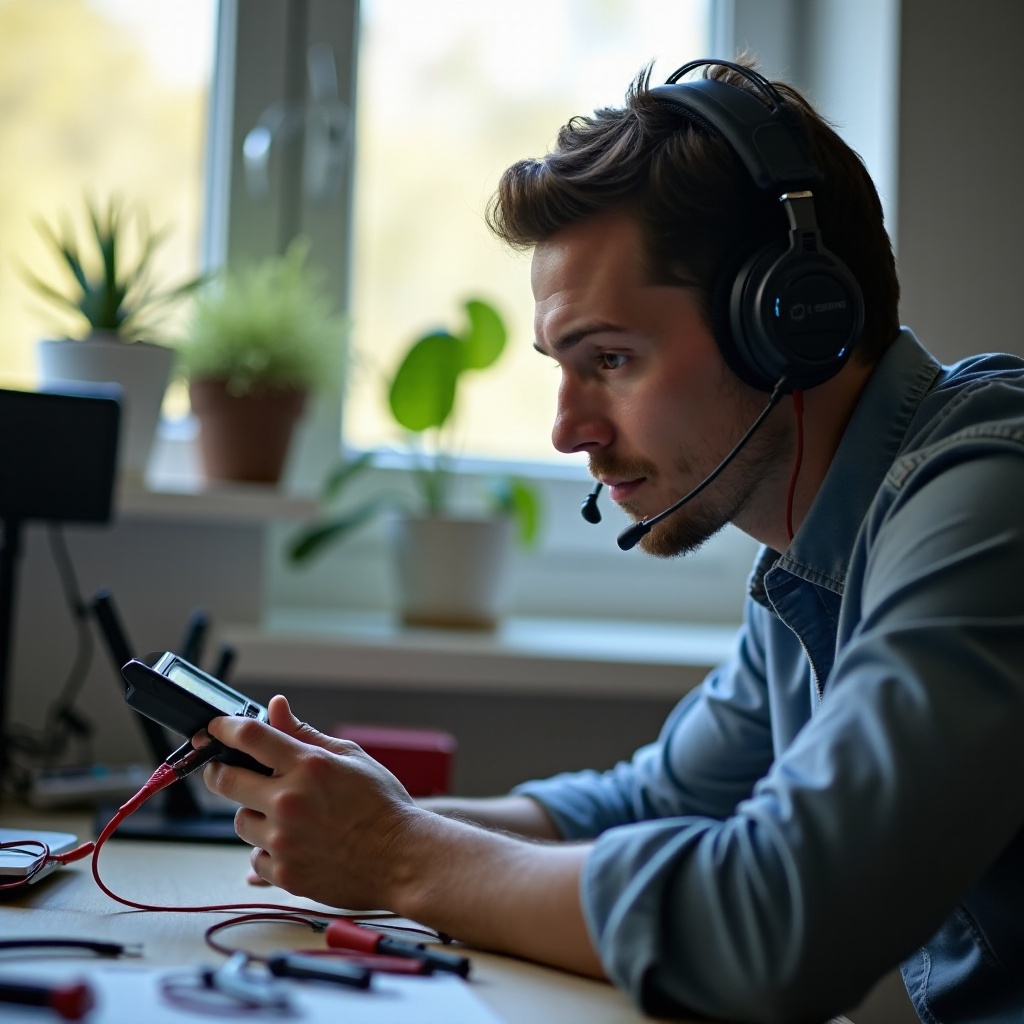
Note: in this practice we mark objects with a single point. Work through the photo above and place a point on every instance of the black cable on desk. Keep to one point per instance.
(92, 945)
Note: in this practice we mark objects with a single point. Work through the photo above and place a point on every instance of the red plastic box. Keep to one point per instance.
(421, 759)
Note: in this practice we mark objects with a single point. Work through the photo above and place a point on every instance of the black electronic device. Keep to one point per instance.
(58, 453)
(174, 693)
(58, 459)
(789, 311)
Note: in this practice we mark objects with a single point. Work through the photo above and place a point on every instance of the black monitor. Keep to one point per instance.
(58, 453)
(58, 463)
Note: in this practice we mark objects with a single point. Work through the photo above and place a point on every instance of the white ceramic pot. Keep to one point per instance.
(142, 371)
(452, 572)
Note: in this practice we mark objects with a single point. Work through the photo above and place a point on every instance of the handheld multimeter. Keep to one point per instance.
(173, 692)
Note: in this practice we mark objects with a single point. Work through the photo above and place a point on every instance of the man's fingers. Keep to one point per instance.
(280, 716)
(201, 739)
(275, 745)
(259, 858)
(250, 789)
(267, 744)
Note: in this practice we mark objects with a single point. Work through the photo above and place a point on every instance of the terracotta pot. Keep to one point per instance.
(452, 572)
(244, 437)
(141, 369)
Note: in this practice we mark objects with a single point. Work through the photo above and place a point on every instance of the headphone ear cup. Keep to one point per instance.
(794, 315)
(729, 330)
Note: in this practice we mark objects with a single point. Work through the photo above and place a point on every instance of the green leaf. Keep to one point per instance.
(344, 472)
(105, 234)
(110, 293)
(527, 512)
(422, 394)
(70, 255)
(312, 540)
(484, 341)
(511, 496)
(51, 293)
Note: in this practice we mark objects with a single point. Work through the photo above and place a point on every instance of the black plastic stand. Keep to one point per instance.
(164, 824)
(175, 813)
(10, 548)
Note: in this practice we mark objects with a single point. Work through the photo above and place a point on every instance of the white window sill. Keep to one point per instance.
(175, 489)
(576, 573)
(192, 499)
(524, 655)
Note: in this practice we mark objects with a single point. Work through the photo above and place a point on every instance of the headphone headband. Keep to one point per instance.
(776, 157)
(788, 314)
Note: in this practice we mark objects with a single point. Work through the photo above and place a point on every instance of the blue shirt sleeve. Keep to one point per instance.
(714, 746)
(900, 791)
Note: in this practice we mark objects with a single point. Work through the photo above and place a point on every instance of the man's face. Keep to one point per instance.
(644, 390)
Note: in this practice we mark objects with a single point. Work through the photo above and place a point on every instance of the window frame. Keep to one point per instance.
(261, 51)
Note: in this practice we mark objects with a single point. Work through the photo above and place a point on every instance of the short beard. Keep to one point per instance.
(684, 531)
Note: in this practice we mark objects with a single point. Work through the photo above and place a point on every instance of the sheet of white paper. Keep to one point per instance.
(128, 993)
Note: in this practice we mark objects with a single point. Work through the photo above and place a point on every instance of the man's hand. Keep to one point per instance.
(334, 825)
(324, 824)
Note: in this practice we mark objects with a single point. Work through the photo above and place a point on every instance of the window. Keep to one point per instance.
(450, 93)
(101, 98)
(108, 95)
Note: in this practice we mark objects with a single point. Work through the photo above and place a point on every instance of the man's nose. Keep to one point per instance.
(581, 421)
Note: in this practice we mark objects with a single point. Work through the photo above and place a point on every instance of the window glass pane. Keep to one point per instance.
(450, 92)
(100, 98)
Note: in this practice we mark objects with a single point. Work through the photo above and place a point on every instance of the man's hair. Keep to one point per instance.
(699, 210)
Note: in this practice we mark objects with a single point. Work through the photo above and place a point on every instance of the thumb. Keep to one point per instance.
(281, 717)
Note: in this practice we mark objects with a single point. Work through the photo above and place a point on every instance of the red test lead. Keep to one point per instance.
(342, 934)
(72, 1002)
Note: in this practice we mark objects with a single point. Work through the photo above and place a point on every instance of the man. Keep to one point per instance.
(846, 793)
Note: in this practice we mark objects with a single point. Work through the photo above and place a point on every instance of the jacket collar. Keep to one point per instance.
(820, 551)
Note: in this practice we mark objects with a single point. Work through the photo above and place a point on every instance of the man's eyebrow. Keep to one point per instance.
(572, 338)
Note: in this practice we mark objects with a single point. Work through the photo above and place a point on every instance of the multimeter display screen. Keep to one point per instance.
(205, 689)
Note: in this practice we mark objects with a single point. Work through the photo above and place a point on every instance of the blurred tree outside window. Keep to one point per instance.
(98, 98)
(449, 93)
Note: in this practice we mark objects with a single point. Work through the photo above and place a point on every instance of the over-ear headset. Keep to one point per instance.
(787, 315)
(790, 311)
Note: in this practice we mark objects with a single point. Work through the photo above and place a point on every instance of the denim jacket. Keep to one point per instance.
(846, 792)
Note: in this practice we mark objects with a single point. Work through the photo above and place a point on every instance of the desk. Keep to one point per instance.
(68, 903)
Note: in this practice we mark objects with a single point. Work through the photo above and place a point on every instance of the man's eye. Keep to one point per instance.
(611, 360)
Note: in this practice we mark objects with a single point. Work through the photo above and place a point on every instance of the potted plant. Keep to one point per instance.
(110, 290)
(259, 341)
(451, 565)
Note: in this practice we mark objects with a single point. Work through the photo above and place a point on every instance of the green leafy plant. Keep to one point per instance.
(110, 288)
(422, 398)
(271, 324)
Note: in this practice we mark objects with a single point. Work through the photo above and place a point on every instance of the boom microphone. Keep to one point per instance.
(589, 509)
(632, 535)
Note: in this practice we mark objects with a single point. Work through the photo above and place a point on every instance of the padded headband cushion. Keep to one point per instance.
(770, 143)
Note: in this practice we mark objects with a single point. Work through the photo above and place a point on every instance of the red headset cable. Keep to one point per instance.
(798, 410)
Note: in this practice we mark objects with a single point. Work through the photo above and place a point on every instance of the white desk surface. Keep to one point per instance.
(69, 903)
